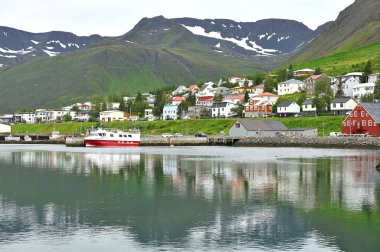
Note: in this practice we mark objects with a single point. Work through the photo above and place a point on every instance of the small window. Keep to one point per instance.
(355, 113)
(364, 123)
(349, 123)
(111, 135)
(362, 114)
(120, 135)
(237, 125)
(125, 136)
(354, 123)
(370, 123)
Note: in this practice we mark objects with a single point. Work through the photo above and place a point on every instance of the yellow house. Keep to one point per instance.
(111, 116)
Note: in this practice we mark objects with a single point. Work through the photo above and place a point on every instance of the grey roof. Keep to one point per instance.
(373, 109)
(262, 125)
(285, 104)
(293, 81)
(341, 100)
(308, 102)
(219, 105)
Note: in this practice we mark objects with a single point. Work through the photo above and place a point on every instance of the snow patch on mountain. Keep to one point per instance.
(21, 52)
(269, 37)
(5, 34)
(8, 56)
(243, 43)
(56, 42)
(262, 36)
(131, 42)
(50, 53)
(34, 42)
(217, 45)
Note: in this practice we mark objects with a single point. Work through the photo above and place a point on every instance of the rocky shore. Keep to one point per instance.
(318, 142)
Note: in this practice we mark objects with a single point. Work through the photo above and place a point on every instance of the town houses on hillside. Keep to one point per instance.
(231, 97)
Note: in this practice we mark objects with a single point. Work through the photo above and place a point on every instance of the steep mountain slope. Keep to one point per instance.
(356, 26)
(17, 46)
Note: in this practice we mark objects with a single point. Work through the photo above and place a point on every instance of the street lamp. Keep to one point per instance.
(323, 128)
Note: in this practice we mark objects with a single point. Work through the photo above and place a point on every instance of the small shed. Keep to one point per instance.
(256, 128)
(4, 128)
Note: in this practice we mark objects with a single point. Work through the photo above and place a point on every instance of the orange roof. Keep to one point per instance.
(234, 97)
(178, 98)
(266, 94)
(192, 87)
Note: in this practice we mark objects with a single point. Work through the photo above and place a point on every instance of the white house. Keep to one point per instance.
(177, 100)
(308, 109)
(148, 114)
(348, 85)
(205, 101)
(179, 90)
(266, 96)
(288, 108)
(58, 115)
(170, 112)
(290, 87)
(207, 89)
(113, 105)
(303, 72)
(259, 89)
(111, 116)
(28, 117)
(363, 89)
(373, 78)
(42, 115)
(341, 106)
(235, 99)
(82, 116)
(222, 109)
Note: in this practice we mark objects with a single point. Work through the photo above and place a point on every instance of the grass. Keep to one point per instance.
(346, 61)
(325, 125)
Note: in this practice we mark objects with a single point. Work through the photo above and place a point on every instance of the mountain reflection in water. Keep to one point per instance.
(180, 201)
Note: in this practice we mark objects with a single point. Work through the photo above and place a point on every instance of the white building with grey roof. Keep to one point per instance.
(290, 87)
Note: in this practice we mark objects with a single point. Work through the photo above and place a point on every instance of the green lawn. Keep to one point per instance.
(325, 124)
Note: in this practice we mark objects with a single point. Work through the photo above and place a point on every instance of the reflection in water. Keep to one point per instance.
(180, 201)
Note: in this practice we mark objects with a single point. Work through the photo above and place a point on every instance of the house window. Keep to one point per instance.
(341, 105)
(355, 113)
(370, 123)
(364, 123)
(237, 125)
(344, 124)
(334, 105)
(354, 123)
(362, 114)
(349, 123)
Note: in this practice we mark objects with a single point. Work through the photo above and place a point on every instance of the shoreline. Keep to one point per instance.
(310, 142)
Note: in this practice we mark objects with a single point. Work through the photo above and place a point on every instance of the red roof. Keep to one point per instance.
(260, 86)
(315, 76)
(192, 87)
(178, 98)
(205, 98)
(266, 94)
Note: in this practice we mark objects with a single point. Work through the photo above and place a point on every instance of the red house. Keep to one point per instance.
(363, 119)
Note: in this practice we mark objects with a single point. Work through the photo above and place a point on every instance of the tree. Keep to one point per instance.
(122, 106)
(75, 108)
(318, 71)
(246, 96)
(339, 92)
(376, 93)
(323, 94)
(290, 71)
(218, 98)
(238, 110)
(67, 118)
(367, 71)
(282, 75)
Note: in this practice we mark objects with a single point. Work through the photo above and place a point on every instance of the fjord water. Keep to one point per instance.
(54, 198)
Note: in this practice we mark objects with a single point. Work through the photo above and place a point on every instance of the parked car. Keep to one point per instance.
(166, 135)
(200, 134)
(178, 135)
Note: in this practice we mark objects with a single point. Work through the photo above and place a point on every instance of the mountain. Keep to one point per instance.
(155, 53)
(356, 26)
(17, 46)
(264, 37)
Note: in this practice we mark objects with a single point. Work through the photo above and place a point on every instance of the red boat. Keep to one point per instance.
(112, 138)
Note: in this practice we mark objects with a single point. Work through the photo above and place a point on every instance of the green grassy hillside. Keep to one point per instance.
(325, 124)
(347, 61)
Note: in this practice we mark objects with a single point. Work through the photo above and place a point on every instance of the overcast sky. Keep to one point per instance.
(116, 17)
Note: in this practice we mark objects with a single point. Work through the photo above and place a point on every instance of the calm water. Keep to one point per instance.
(54, 198)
